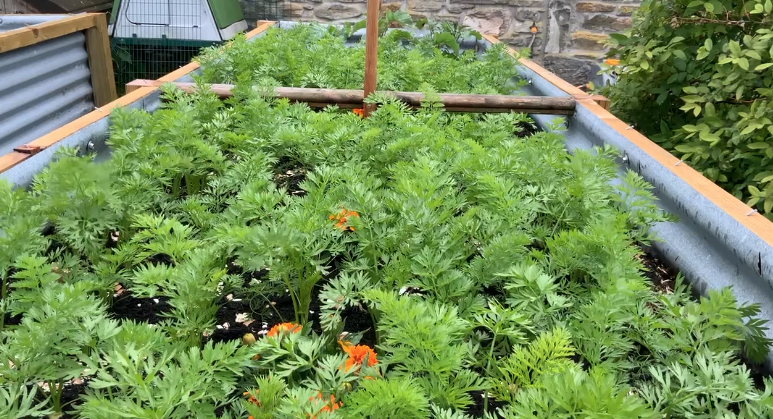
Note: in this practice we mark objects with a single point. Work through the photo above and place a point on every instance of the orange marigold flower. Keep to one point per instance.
(359, 112)
(612, 61)
(357, 355)
(284, 327)
(342, 217)
(328, 406)
(251, 399)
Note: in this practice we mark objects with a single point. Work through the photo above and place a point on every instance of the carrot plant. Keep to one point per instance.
(257, 258)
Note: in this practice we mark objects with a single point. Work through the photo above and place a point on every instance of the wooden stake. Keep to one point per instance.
(371, 52)
(352, 99)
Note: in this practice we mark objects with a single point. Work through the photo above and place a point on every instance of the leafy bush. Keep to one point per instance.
(696, 76)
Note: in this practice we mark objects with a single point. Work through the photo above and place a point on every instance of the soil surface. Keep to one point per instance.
(476, 410)
(660, 274)
(149, 310)
(526, 129)
(70, 395)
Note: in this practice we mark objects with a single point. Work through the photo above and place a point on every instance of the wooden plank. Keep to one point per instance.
(602, 101)
(100, 62)
(371, 52)
(12, 159)
(33, 34)
(738, 210)
(457, 102)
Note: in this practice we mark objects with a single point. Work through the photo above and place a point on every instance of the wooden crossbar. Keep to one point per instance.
(354, 99)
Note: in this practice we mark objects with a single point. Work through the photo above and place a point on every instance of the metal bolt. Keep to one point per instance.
(751, 212)
(90, 146)
(625, 158)
(679, 162)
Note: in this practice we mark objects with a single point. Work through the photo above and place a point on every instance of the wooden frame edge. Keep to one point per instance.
(731, 205)
(33, 34)
(14, 158)
(100, 62)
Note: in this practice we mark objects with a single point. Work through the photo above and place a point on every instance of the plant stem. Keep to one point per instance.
(488, 367)
(558, 221)
(273, 307)
(292, 296)
(3, 299)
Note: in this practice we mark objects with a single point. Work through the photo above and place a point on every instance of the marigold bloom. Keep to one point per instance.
(251, 399)
(328, 406)
(284, 327)
(612, 61)
(359, 112)
(342, 217)
(357, 355)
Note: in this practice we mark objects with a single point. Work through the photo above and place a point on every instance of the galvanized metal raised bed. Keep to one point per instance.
(717, 242)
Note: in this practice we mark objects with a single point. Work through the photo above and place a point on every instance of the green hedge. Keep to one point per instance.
(696, 77)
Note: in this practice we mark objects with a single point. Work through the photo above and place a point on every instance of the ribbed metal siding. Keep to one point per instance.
(43, 87)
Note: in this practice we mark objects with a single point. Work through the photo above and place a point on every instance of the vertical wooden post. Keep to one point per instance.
(100, 62)
(371, 51)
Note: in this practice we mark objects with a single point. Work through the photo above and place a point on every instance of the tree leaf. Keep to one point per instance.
(735, 48)
(709, 109)
(708, 44)
(753, 54)
(762, 66)
(447, 39)
(708, 136)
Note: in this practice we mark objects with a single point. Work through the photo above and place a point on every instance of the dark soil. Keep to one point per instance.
(264, 316)
(660, 274)
(476, 410)
(289, 175)
(525, 129)
(70, 398)
(128, 307)
(12, 320)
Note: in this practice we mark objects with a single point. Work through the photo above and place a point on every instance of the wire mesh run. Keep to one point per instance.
(255, 10)
(167, 36)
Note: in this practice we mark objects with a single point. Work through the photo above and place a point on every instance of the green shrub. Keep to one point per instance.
(696, 77)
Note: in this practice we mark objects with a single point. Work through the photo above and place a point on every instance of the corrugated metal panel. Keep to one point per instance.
(43, 87)
(11, 22)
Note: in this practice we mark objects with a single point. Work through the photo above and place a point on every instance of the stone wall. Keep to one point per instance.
(570, 33)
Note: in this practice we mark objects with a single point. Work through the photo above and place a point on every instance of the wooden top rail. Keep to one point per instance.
(353, 99)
